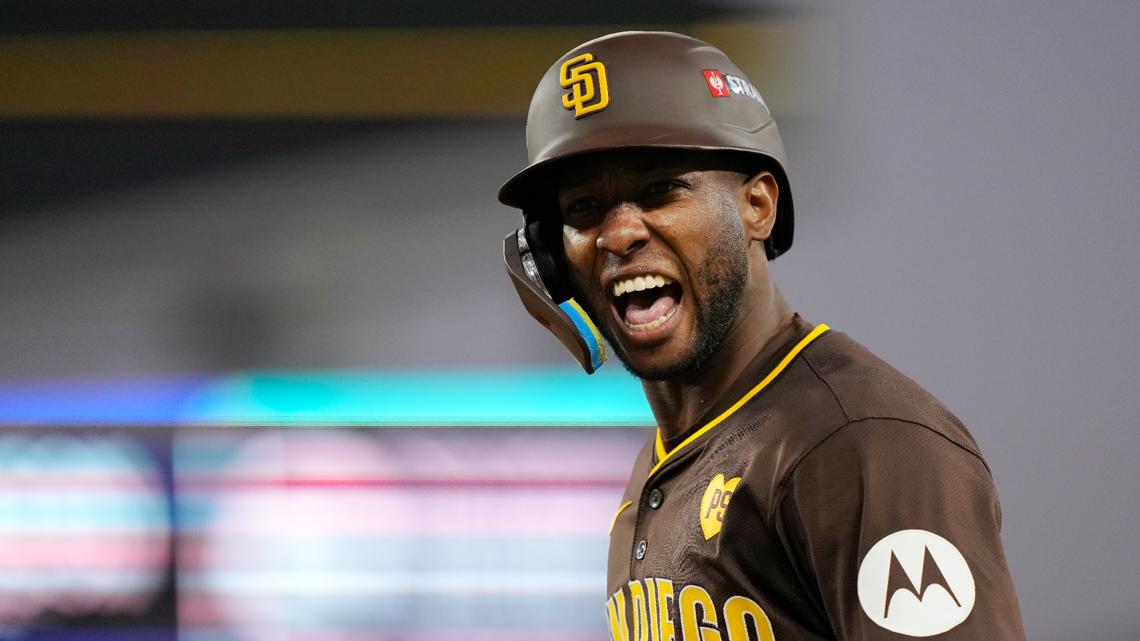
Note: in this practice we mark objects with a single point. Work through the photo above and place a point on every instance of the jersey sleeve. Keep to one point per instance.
(896, 531)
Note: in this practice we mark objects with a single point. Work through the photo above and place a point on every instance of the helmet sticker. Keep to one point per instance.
(723, 85)
(717, 86)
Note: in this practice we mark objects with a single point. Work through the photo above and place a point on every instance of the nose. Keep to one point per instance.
(623, 230)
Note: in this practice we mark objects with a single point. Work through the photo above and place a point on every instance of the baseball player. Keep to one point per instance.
(797, 487)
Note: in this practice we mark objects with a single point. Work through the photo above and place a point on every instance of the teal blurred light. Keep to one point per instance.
(417, 398)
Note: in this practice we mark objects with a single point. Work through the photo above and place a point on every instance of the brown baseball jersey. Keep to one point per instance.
(826, 496)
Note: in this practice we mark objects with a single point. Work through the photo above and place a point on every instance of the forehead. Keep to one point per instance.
(624, 164)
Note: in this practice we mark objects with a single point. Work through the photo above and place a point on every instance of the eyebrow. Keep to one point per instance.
(646, 167)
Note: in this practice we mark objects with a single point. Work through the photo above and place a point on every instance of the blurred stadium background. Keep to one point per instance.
(261, 376)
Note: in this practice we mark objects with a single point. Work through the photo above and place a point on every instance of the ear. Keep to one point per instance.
(761, 193)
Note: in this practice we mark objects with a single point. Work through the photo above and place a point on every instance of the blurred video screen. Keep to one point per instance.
(87, 534)
(299, 533)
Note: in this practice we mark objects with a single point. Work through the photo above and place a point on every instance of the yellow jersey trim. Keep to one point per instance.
(616, 515)
(663, 456)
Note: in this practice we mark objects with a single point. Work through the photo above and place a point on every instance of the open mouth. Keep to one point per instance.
(646, 302)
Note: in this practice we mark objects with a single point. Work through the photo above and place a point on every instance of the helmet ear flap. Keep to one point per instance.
(544, 234)
(535, 265)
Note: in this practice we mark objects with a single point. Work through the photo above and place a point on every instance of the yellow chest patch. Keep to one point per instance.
(715, 503)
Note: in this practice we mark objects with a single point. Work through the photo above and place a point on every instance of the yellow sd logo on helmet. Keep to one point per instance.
(586, 79)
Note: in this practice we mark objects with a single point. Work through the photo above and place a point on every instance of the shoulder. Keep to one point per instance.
(873, 395)
(892, 455)
(849, 414)
(875, 476)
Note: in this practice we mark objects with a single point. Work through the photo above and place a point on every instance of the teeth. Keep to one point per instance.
(639, 283)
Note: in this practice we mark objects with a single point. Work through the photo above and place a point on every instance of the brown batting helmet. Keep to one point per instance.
(645, 89)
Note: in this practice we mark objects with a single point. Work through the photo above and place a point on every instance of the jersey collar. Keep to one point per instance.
(662, 455)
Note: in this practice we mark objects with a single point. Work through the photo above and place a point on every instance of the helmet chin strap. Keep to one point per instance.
(566, 320)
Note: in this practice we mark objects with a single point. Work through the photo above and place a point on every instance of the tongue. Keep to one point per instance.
(647, 306)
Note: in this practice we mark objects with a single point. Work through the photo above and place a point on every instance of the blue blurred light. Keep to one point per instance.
(96, 401)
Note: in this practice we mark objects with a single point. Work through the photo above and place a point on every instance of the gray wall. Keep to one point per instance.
(978, 228)
(965, 209)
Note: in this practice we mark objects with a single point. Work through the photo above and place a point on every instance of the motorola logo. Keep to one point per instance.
(916, 583)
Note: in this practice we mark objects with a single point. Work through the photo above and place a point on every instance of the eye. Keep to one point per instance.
(662, 188)
(582, 204)
(580, 209)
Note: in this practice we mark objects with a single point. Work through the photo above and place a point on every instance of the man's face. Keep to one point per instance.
(657, 254)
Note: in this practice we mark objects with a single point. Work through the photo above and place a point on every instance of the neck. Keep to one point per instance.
(679, 403)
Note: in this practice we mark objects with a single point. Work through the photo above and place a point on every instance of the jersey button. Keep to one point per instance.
(656, 498)
(640, 552)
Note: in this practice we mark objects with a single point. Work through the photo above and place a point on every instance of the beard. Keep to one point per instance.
(722, 276)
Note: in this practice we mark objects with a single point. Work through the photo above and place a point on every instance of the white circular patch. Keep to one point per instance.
(916, 583)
